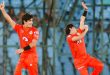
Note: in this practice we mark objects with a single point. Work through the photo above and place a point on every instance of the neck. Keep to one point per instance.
(26, 26)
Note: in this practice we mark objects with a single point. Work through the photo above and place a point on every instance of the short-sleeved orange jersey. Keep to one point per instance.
(26, 35)
(77, 48)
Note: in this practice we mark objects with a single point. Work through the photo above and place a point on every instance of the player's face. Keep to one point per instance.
(29, 23)
(73, 30)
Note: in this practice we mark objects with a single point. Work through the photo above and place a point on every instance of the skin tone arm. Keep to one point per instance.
(6, 16)
(12, 23)
(82, 26)
(82, 19)
(81, 35)
(32, 44)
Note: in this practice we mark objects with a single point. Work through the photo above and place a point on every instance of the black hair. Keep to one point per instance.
(26, 17)
(67, 29)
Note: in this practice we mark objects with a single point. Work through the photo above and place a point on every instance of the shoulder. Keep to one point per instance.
(71, 35)
(68, 37)
(19, 25)
(80, 30)
(34, 29)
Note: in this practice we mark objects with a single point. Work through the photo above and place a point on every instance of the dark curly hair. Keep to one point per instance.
(26, 17)
(67, 30)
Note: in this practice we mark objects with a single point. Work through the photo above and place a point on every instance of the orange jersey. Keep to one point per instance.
(26, 36)
(77, 48)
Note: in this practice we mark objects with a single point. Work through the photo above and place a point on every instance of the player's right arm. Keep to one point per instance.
(6, 16)
(83, 17)
(76, 38)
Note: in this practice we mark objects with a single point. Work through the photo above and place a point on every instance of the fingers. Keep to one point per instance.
(19, 51)
(84, 6)
(2, 4)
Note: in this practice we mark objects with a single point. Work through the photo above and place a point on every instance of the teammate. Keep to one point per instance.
(28, 36)
(75, 39)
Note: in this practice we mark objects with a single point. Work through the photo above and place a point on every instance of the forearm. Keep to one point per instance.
(28, 47)
(80, 36)
(33, 43)
(83, 17)
(8, 18)
(83, 34)
(82, 21)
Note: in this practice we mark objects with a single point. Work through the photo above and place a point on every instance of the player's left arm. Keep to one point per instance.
(33, 43)
(28, 47)
(83, 17)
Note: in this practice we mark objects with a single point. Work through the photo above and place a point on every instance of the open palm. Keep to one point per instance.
(2, 5)
(84, 6)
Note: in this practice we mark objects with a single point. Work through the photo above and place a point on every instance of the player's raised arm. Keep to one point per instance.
(6, 16)
(82, 19)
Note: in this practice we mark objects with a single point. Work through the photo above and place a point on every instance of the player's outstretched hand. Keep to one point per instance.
(84, 6)
(2, 5)
(19, 51)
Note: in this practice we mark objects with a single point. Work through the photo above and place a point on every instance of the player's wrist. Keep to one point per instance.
(85, 9)
(85, 13)
(28, 47)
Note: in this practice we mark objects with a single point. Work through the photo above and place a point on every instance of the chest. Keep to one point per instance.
(25, 35)
(80, 41)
